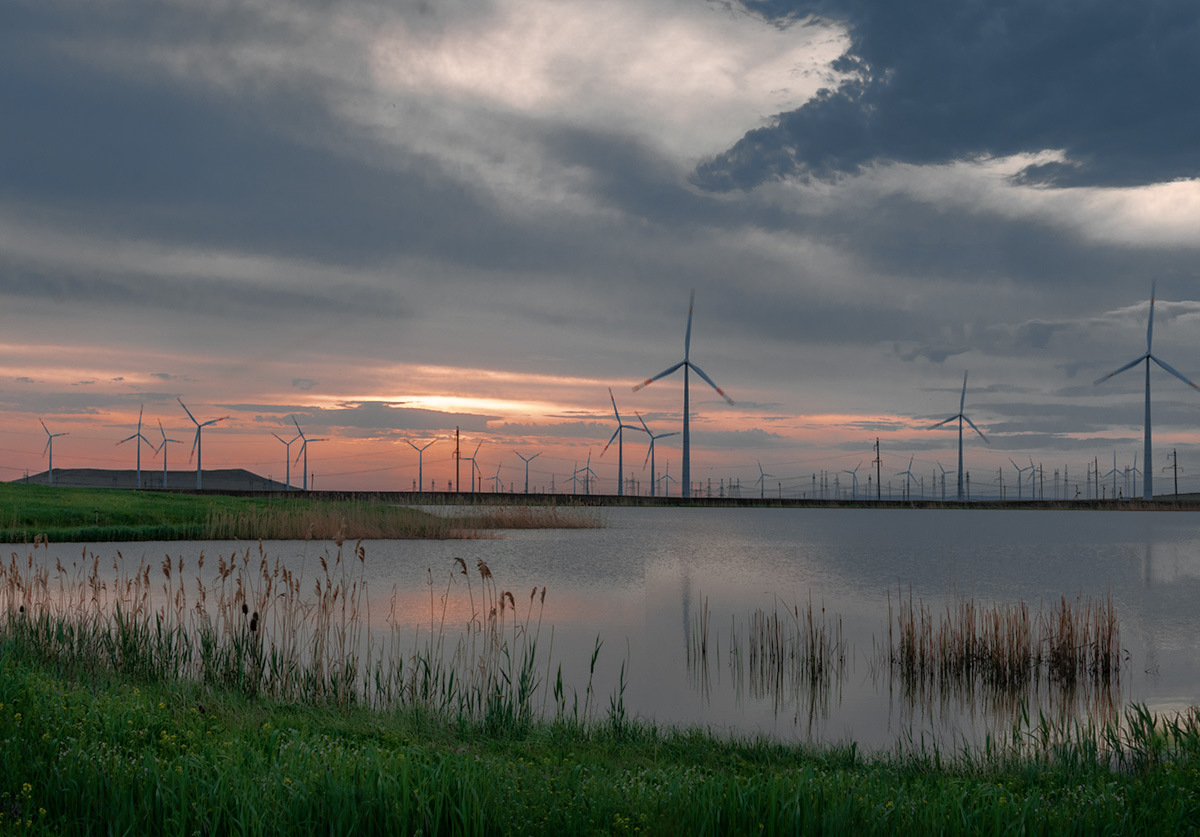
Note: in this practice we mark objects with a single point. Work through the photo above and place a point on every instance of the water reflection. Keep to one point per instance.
(646, 584)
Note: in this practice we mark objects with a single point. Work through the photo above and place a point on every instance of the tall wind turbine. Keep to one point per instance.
(619, 436)
(588, 474)
(687, 366)
(304, 443)
(163, 447)
(197, 446)
(50, 449)
(1147, 453)
(908, 475)
(140, 438)
(960, 417)
(287, 459)
(650, 453)
(527, 460)
(420, 463)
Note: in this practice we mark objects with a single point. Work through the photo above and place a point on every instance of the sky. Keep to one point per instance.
(387, 220)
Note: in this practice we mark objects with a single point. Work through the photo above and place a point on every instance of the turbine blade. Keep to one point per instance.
(976, 429)
(128, 439)
(186, 410)
(947, 421)
(1129, 365)
(610, 441)
(962, 401)
(644, 427)
(1150, 322)
(614, 403)
(661, 374)
(687, 337)
(44, 427)
(709, 380)
(1170, 369)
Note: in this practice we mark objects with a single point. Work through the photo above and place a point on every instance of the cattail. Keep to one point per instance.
(245, 609)
(254, 622)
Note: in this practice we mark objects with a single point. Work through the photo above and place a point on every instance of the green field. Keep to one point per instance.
(86, 515)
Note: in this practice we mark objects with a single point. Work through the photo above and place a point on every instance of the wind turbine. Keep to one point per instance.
(1147, 453)
(527, 461)
(762, 482)
(687, 366)
(304, 443)
(650, 452)
(496, 482)
(960, 417)
(908, 475)
(197, 446)
(50, 449)
(163, 447)
(667, 480)
(474, 467)
(588, 474)
(853, 479)
(1113, 473)
(619, 435)
(420, 463)
(140, 438)
(943, 470)
(287, 459)
(1021, 471)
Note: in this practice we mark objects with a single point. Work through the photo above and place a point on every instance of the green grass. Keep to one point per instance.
(126, 755)
(82, 515)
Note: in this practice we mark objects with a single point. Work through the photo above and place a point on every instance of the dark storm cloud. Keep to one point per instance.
(944, 80)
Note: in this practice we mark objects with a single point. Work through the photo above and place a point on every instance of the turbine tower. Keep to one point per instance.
(140, 438)
(1147, 453)
(687, 366)
(527, 461)
(619, 435)
(1021, 471)
(588, 474)
(908, 475)
(420, 463)
(304, 443)
(50, 449)
(287, 459)
(197, 447)
(650, 452)
(163, 447)
(960, 417)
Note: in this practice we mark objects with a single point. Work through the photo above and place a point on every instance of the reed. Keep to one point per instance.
(1004, 646)
(260, 628)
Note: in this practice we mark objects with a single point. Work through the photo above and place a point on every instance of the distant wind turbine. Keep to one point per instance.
(762, 482)
(1113, 473)
(303, 452)
(163, 447)
(943, 470)
(588, 475)
(50, 437)
(474, 467)
(139, 439)
(667, 479)
(1147, 453)
(687, 366)
(197, 446)
(619, 436)
(526, 460)
(960, 417)
(496, 481)
(420, 463)
(908, 475)
(1021, 471)
(853, 479)
(287, 459)
(654, 437)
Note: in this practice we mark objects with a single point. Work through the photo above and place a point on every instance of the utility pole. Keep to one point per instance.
(878, 466)
(1175, 468)
(456, 459)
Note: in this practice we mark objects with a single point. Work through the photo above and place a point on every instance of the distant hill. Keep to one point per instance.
(229, 479)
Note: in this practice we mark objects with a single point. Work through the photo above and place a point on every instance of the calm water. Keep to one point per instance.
(642, 583)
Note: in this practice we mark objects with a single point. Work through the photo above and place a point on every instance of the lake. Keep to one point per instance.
(652, 580)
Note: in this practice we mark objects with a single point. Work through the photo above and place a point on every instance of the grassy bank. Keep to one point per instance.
(81, 515)
(120, 754)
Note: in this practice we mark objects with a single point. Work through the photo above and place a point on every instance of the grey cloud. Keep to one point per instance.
(945, 80)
